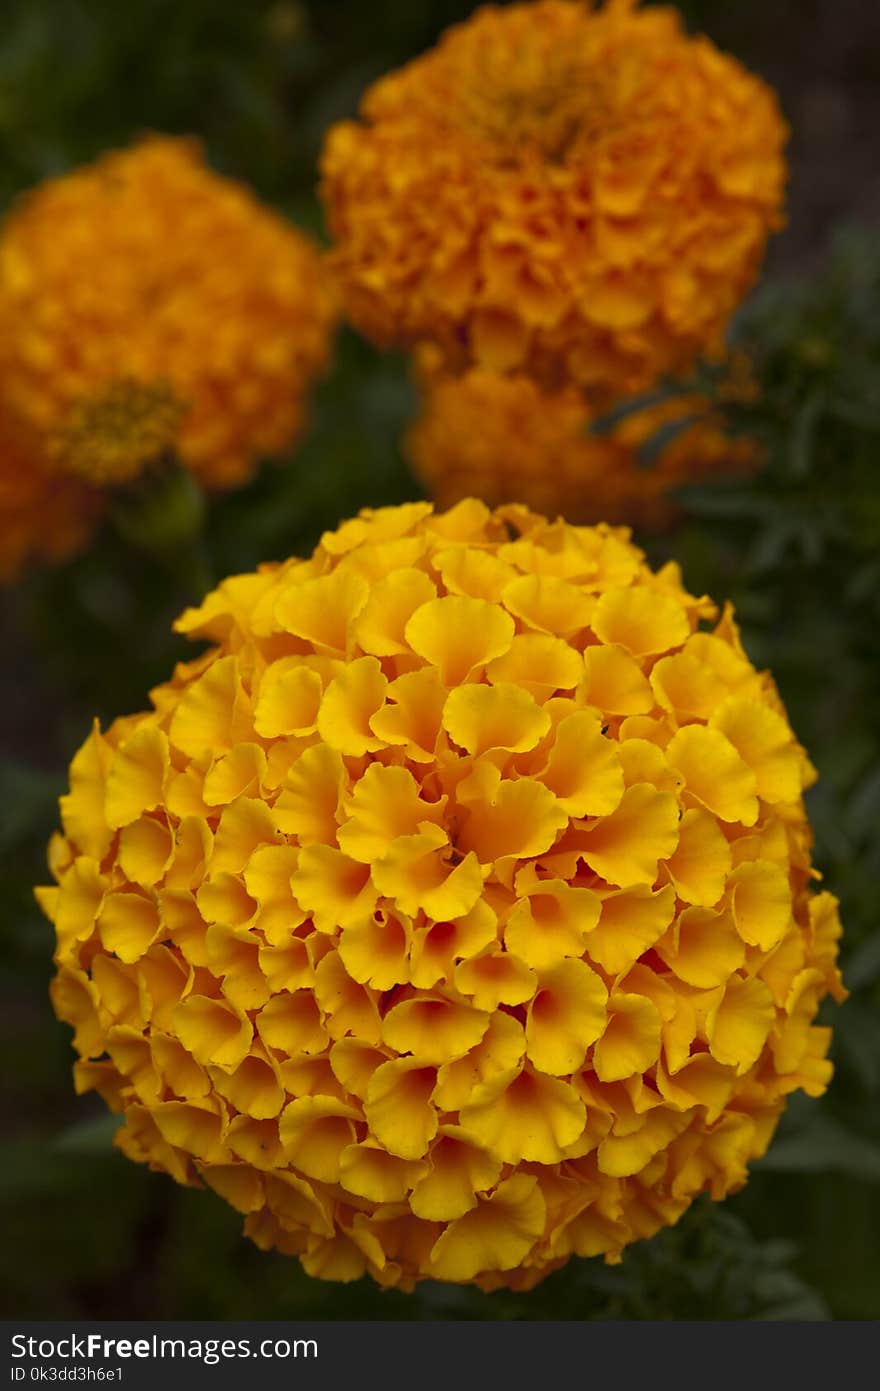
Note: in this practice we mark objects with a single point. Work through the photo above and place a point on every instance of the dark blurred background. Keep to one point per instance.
(87, 1233)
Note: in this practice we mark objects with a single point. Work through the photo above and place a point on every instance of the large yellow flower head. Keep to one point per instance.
(451, 914)
(584, 194)
(149, 305)
(498, 437)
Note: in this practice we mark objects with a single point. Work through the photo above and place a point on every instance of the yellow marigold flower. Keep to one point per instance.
(452, 914)
(582, 194)
(148, 304)
(499, 437)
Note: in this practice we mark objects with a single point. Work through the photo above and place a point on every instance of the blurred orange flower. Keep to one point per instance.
(147, 304)
(501, 437)
(583, 194)
(44, 516)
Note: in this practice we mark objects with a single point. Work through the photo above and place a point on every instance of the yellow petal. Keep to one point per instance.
(703, 947)
(701, 1081)
(314, 1131)
(764, 741)
(323, 610)
(714, 773)
(566, 1015)
(550, 921)
(384, 805)
(210, 715)
(224, 898)
(631, 1041)
(417, 873)
(495, 978)
(336, 890)
(643, 620)
(503, 716)
(477, 574)
(413, 720)
(701, 862)
(194, 1127)
(615, 683)
(437, 946)
(308, 802)
(349, 703)
(497, 1234)
(75, 1001)
(253, 1088)
(348, 1007)
(584, 771)
(625, 847)
(267, 878)
(520, 817)
(381, 626)
(459, 1171)
(136, 780)
(620, 1156)
(245, 824)
(81, 894)
(145, 850)
(291, 1023)
(398, 1107)
(459, 635)
(83, 807)
(128, 924)
(239, 773)
(631, 921)
(192, 850)
(234, 956)
(539, 664)
(353, 1064)
(213, 1031)
(434, 1030)
(370, 1172)
(737, 1028)
(376, 951)
(240, 1186)
(502, 1047)
(289, 700)
(686, 686)
(549, 604)
(760, 903)
(525, 1115)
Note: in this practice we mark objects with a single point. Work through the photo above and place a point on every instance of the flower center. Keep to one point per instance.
(110, 438)
(524, 100)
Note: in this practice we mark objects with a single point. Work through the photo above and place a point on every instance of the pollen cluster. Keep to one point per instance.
(450, 914)
(147, 304)
(499, 437)
(581, 194)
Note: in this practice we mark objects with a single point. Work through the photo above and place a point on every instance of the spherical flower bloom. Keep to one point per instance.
(499, 437)
(148, 305)
(452, 913)
(43, 516)
(583, 194)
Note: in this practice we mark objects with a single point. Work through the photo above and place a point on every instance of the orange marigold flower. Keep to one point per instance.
(500, 437)
(44, 516)
(453, 913)
(148, 304)
(582, 194)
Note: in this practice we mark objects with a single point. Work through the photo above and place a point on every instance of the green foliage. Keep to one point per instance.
(797, 548)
